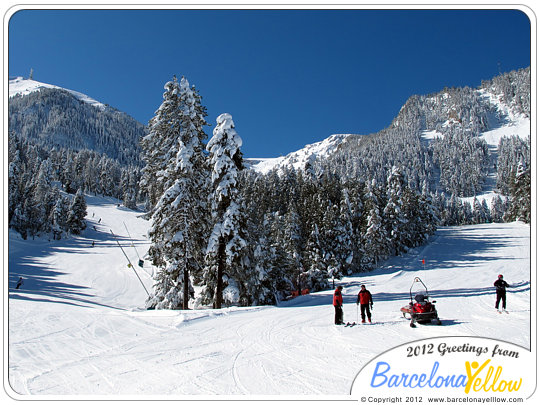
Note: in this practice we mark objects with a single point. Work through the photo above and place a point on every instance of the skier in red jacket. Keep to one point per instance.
(366, 301)
(338, 305)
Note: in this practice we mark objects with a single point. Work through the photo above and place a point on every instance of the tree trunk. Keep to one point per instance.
(186, 289)
(220, 270)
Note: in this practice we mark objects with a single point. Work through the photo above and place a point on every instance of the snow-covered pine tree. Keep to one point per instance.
(292, 244)
(178, 222)
(329, 242)
(410, 215)
(77, 212)
(160, 146)
(316, 275)
(520, 197)
(58, 217)
(429, 218)
(497, 209)
(375, 239)
(393, 215)
(225, 250)
(264, 275)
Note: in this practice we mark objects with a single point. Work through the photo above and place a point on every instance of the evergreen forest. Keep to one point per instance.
(249, 238)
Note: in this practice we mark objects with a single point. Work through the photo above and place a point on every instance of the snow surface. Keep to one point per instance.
(23, 87)
(76, 326)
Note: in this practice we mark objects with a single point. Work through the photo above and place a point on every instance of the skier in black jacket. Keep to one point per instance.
(500, 288)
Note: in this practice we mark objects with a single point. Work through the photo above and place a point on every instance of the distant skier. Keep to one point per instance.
(19, 283)
(500, 288)
(338, 306)
(366, 301)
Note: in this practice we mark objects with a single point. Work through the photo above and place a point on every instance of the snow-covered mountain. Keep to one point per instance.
(502, 118)
(54, 117)
(305, 156)
(22, 86)
(490, 104)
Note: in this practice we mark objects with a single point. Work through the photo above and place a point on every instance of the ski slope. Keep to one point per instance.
(77, 327)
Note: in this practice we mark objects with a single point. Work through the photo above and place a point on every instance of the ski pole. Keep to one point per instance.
(129, 261)
(357, 313)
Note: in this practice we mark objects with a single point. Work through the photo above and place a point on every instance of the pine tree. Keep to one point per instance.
(315, 278)
(393, 213)
(226, 245)
(520, 198)
(15, 170)
(265, 280)
(497, 209)
(287, 246)
(479, 214)
(58, 217)
(375, 239)
(160, 146)
(178, 221)
(75, 222)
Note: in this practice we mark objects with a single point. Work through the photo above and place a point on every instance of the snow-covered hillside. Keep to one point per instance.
(76, 325)
(22, 86)
(300, 158)
(52, 117)
(504, 121)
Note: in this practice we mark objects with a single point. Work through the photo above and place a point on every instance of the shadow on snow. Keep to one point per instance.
(43, 281)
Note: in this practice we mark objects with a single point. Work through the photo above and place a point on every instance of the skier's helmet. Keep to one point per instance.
(500, 276)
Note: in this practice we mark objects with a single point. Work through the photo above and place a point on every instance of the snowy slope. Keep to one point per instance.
(23, 87)
(504, 122)
(300, 158)
(76, 326)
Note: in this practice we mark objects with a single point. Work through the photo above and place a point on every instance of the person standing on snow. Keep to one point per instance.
(500, 288)
(338, 306)
(366, 301)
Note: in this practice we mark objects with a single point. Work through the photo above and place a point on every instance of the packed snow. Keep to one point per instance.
(77, 327)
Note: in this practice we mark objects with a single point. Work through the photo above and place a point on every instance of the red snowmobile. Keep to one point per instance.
(420, 309)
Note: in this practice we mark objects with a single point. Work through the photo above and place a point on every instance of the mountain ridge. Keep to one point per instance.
(55, 117)
(499, 116)
(503, 117)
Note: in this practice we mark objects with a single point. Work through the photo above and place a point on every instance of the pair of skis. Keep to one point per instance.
(351, 324)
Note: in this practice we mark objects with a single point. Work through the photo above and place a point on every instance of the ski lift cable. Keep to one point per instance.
(129, 262)
(131, 239)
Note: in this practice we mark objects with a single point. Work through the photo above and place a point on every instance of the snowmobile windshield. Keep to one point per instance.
(419, 293)
(420, 298)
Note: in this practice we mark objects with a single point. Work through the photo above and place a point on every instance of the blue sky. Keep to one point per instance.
(288, 77)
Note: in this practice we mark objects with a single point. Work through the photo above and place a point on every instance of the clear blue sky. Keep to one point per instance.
(288, 78)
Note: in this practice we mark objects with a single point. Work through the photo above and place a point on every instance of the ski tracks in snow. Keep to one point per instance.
(83, 342)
